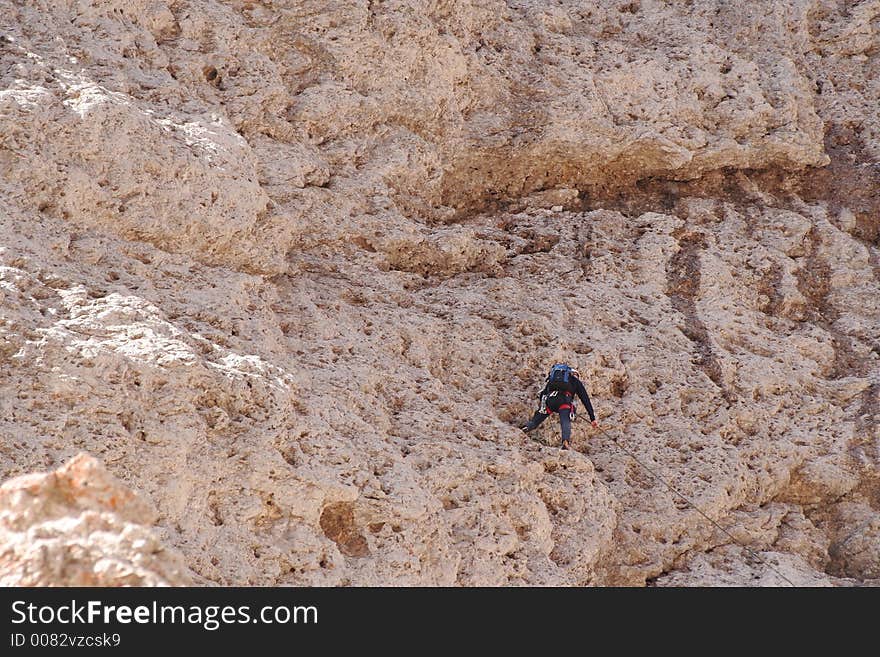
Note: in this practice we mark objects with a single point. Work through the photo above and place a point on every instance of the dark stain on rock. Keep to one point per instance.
(338, 524)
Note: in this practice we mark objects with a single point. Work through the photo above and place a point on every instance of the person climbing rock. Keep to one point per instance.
(563, 383)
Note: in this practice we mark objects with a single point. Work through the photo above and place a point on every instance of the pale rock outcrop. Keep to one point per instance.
(80, 526)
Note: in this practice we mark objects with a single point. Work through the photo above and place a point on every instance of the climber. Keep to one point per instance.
(563, 382)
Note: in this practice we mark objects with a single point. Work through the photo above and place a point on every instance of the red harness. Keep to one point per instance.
(562, 407)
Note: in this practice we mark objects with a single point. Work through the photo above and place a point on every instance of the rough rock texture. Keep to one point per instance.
(79, 526)
(296, 270)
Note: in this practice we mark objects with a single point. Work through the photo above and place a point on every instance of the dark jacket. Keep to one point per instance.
(573, 387)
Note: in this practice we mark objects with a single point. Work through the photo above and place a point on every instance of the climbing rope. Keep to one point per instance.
(698, 509)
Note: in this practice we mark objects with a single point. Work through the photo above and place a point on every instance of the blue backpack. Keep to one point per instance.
(559, 375)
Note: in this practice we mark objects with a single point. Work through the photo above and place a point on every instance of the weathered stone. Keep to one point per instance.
(80, 526)
(295, 273)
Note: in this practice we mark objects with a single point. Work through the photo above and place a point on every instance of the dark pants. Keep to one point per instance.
(564, 422)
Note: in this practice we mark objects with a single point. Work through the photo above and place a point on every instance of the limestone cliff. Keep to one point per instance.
(295, 271)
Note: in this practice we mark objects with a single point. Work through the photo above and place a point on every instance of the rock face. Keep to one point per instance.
(79, 526)
(295, 272)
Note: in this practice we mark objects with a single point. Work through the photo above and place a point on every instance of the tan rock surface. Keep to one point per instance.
(295, 271)
(79, 526)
